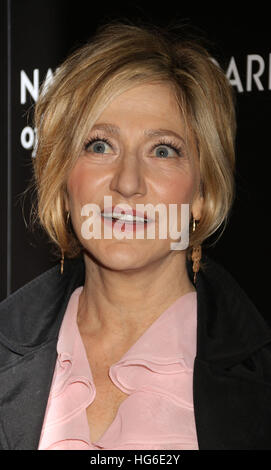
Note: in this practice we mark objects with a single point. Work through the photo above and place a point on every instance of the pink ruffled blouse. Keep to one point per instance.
(156, 373)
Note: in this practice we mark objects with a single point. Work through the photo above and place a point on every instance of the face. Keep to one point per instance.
(137, 153)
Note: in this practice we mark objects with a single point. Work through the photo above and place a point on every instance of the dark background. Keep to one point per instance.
(40, 34)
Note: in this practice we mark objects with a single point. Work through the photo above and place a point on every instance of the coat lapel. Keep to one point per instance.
(30, 320)
(24, 390)
(231, 395)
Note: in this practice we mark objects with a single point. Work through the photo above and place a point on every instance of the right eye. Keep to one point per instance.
(97, 145)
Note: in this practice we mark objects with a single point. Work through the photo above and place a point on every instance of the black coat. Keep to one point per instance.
(232, 370)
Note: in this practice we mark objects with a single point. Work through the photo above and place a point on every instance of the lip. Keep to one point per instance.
(115, 210)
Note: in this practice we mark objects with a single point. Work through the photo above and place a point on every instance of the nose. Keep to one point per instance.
(128, 179)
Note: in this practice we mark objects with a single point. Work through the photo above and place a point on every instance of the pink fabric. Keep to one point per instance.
(156, 373)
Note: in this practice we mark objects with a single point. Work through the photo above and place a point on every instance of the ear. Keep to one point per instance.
(197, 206)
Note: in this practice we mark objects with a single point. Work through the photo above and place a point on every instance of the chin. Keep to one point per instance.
(119, 256)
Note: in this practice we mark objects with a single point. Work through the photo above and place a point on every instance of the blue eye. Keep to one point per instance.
(162, 152)
(167, 150)
(97, 145)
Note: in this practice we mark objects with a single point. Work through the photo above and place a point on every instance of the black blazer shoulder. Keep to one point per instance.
(231, 381)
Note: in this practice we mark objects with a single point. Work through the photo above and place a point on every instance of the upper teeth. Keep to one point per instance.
(128, 217)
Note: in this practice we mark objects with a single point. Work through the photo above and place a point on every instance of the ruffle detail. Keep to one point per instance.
(151, 420)
(135, 375)
(156, 374)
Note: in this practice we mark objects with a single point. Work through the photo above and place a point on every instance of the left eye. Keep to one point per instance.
(97, 146)
(164, 151)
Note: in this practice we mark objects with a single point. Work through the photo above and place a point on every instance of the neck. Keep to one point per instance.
(121, 304)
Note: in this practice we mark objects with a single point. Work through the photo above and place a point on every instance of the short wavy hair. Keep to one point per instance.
(119, 56)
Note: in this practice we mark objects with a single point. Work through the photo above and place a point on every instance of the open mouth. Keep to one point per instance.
(126, 222)
(127, 219)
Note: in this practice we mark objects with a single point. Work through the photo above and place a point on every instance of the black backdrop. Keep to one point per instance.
(37, 35)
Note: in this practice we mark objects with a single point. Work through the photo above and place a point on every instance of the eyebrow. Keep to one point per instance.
(115, 130)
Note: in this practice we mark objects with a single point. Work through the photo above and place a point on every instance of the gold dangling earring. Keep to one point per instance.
(62, 251)
(196, 255)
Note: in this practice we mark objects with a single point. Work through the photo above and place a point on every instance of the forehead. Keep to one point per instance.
(150, 109)
(153, 102)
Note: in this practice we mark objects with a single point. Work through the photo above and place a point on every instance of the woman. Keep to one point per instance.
(131, 343)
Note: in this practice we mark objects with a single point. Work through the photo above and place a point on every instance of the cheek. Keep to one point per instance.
(81, 185)
(178, 190)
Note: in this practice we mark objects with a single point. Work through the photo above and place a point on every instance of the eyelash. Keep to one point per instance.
(94, 139)
(163, 141)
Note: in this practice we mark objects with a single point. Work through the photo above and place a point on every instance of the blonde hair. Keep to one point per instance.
(120, 56)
